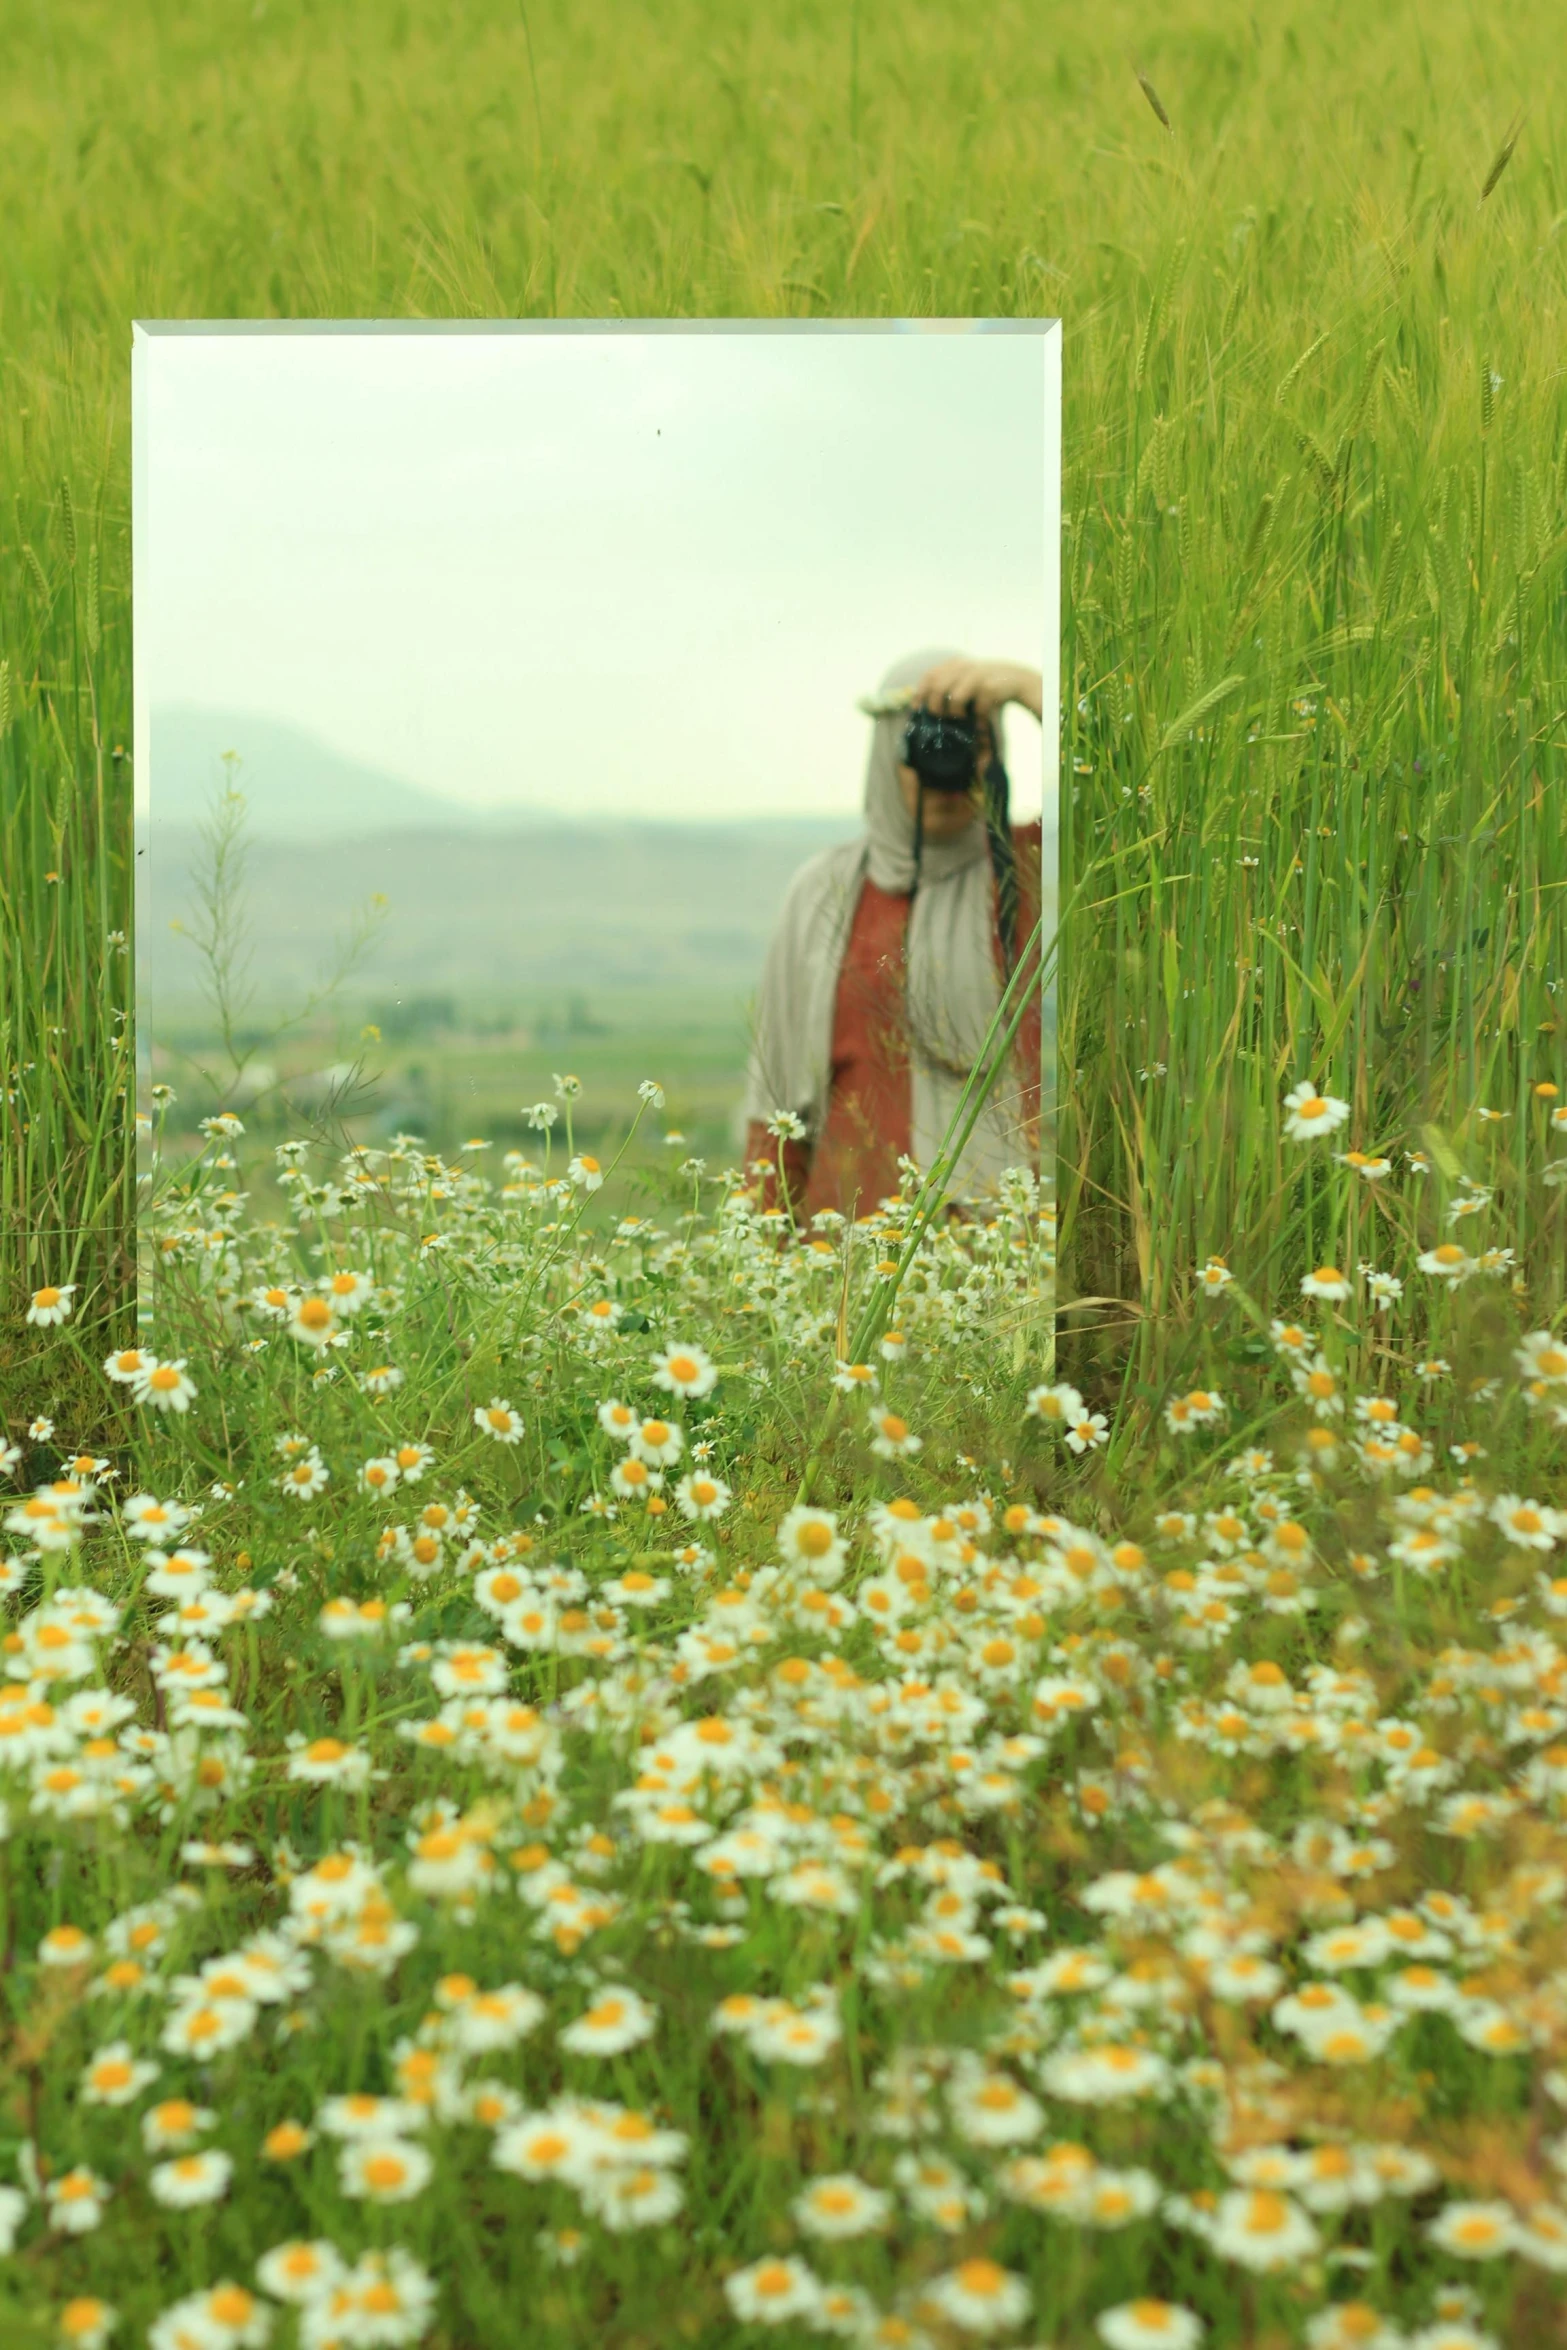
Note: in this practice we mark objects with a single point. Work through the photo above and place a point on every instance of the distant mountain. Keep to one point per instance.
(296, 787)
(482, 916)
(481, 905)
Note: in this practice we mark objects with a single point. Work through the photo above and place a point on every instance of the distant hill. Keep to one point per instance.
(482, 905)
(296, 787)
(484, 915)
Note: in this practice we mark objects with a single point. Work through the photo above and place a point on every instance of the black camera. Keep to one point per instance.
(943, 751)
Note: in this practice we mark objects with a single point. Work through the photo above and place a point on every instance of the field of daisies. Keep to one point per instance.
(546, 1801)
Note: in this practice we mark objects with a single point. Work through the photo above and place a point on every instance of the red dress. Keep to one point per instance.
(870, 1102)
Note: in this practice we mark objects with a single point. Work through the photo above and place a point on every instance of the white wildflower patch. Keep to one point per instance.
(561, 1731)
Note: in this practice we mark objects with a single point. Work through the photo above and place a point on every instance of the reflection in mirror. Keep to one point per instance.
(520, 703)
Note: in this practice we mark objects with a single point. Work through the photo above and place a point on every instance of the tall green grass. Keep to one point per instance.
(1316, 635)
(1314, 436)
(66, 1029)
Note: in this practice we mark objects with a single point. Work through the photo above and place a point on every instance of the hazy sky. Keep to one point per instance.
(602, 573)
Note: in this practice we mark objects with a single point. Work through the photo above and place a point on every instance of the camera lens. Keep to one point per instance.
(941, 750)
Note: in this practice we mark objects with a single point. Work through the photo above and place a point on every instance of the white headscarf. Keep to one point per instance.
(952, 982)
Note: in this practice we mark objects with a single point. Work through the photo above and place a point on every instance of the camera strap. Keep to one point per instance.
(1003, 856)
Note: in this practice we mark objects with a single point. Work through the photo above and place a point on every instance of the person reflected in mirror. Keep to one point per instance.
(890, 955)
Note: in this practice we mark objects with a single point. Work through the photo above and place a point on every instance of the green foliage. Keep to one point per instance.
(65, 971)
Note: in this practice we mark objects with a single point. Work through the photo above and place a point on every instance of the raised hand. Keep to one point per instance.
(958, 683)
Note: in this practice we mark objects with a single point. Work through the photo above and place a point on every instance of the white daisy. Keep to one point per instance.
(1308, 1113)
(979, 2296)
(52, 1303)
(384, 2169)
(617, 2019)
(685, 1370)
(1149, 2325)
(773, 2292)
(190, 2179)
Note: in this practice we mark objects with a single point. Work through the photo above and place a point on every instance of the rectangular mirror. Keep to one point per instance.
(494, 683)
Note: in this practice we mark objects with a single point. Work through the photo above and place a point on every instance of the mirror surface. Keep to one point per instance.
(494, 682)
